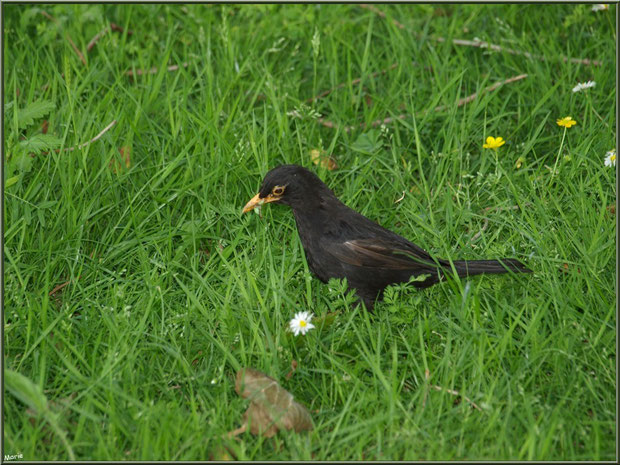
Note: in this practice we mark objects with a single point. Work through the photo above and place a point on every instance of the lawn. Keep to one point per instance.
(134, 288)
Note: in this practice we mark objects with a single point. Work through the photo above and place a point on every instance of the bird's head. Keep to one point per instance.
(290, 185)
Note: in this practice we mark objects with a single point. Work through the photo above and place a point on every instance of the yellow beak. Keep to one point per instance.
(257, 201)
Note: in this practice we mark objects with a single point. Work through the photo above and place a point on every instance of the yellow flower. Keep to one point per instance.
(519, 162)
(567, 122)
(494, 143)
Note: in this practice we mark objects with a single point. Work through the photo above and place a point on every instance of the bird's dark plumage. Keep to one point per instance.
(341, 243)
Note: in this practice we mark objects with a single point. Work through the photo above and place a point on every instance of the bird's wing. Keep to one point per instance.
(380, 253)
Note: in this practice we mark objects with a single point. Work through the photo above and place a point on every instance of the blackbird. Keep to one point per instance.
(341, 243)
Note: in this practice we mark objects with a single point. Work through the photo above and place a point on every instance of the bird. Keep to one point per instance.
(341, 243)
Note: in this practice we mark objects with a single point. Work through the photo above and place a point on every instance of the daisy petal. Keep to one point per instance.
(300, 324)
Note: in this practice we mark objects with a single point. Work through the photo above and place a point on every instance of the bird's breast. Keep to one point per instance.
(315, 229)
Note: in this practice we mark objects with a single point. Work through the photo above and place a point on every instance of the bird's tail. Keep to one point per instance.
(474, 267)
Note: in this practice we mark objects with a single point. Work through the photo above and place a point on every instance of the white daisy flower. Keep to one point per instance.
(301, 323)
(611, 158)
(600, 6)
(583, 85)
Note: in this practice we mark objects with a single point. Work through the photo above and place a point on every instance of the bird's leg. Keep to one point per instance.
(367, 299)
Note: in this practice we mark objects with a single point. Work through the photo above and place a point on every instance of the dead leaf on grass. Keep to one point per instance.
(222, 454)
(116, 165)
(322, 159)
(272, 407)
(289, 375)
(566, 268)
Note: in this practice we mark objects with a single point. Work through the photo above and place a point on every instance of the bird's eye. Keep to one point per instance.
(278, 190)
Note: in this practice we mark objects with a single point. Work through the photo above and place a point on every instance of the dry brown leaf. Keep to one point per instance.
(442, 12)
(326, 161)
(222, 454)
(126, 154)
(195, 361)
(272, 407)
(565, 268)
(116, 165)
(260, 421)
(289, 375)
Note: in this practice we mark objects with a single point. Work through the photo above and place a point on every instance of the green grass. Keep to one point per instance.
(171, 290)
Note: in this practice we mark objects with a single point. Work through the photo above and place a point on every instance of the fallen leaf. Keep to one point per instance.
(289, 375)
(195, 361)
(326, 161)
(272, 407)
(126, 154)
(442, 12)
(565, 268)
(116, 165)
(260, 421)
(222, 454)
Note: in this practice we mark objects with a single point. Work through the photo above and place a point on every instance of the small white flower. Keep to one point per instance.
(583, 85)
(301, 323)
(611, 158)
(600, 6)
